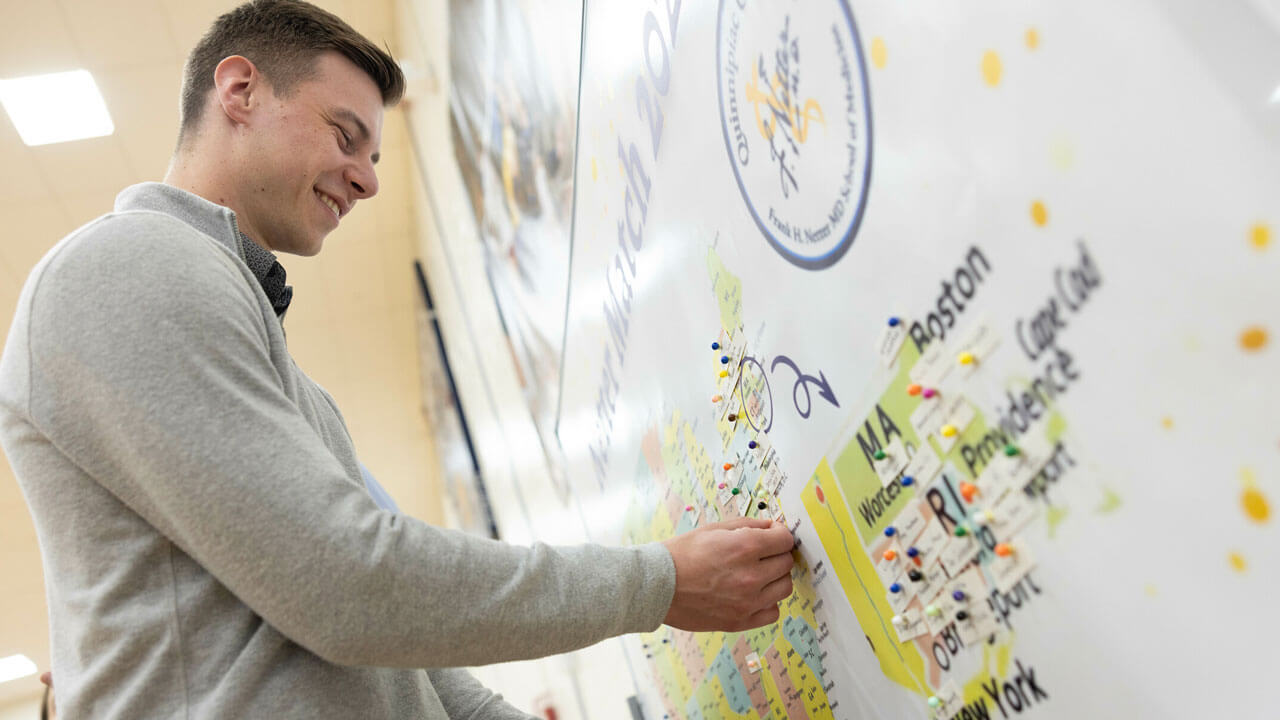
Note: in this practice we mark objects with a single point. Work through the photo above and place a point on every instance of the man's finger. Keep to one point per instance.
(773, 540)
(767, 616)
(743, 522)
(775, 567)
(776, 591)
(46, 677)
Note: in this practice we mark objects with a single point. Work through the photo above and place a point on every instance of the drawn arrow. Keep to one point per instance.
(802, 383)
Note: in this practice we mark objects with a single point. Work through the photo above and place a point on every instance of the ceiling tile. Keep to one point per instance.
(115, 34)
(83, 165)
(21, 180)
(32, 229)
(34, 39)
(144, 103)
(189, 19)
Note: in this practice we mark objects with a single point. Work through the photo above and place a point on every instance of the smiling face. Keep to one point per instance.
(307, 158)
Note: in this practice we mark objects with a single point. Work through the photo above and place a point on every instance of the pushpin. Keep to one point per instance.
(929, 392)
(890, 555)
(732, 417)
(895, 588)
(965, 358)
(724, 359)
(727, 466)
(890, 531)
(984, 517)
(908, 481)
(915, 576)
(962, 615)
(961, 531)
(721, 486)
(753, 445)
(762, 504)
(735, 491)
(1011, 450)
(933, 611)
(688, 508)
(958, 595)
(879, 455)
(1003, 549)
(715, 346)
(935, 702)
(899, 621)
(914, 389)
(724, 373)
(893, 322)
(949, 430)
(762, 493)
(716, 398)
(968, 490)
(913, 552)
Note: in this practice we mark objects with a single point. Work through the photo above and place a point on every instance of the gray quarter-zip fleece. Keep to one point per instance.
(210, 550)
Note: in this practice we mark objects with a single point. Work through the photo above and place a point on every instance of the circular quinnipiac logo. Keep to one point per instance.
(797, 122)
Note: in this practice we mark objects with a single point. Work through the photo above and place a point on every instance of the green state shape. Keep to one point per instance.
(728, 291)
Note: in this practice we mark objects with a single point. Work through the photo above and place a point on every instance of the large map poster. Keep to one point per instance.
(981, 302)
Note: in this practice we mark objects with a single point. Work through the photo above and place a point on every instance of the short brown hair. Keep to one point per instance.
(283, 39)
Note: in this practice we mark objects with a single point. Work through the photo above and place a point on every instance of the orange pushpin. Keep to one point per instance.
(914, 389)
(716, 398)
(1003, 549)
(890, 555)
(728, 465)
(968, 490)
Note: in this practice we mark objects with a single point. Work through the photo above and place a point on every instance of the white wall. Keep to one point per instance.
(22, 710)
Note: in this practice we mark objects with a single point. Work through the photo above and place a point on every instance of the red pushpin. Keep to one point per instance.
(968, 490)
(1004, 549)
(890, 555)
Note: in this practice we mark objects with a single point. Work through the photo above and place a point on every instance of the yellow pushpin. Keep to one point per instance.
(724, 373)
(948, 431)
(965, 358)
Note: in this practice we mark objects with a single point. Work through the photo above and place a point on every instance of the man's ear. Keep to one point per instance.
(238, 87)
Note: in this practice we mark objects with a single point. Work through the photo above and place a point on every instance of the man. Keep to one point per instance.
(210, 549)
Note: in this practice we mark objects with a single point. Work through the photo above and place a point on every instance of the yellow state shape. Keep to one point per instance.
(1032, 39)
(1256, 507)
(833, 523)
(1260, 236)
(1039, 214)
(879, 53)
(1237, 562)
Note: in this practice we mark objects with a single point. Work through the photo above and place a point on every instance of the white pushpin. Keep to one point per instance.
(984, 517)
(899, 621)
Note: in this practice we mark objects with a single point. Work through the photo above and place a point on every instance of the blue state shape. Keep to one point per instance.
(735, 688)
(804, 639)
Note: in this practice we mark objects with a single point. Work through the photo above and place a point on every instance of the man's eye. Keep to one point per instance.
(346, 139)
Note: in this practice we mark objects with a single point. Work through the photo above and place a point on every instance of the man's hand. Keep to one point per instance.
(730, 576)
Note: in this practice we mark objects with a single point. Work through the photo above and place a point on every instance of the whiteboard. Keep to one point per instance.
(1068, 214)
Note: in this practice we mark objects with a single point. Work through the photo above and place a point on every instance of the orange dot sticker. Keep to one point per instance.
(1253, 338)
(991, 68)
(1039, 214)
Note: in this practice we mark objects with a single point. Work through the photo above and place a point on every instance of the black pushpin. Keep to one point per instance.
(962, 615)
(915, 575)
(733, 417)
(762, 504)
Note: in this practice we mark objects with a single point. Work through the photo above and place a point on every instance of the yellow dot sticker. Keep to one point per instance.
(1033, 39)
(1256, 507)
(1039, 214)
(1260, 236)
(1237, 562)
(1253, 339)
(879, 53)
(595, 170)
(991, 68)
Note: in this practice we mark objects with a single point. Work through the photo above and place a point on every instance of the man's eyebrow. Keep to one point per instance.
(363, 129)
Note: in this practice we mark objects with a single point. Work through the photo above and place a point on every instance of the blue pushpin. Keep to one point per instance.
(893, 322)
(890, 531)
(895, 588)
(715, 346)
(958, 595)
(753, 445)
(908, 481)
(912, 552)
(724, 359)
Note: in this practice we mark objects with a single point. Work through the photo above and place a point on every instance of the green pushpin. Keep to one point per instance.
(734, 491)
(935, 702)
(961, 531)
(933, 611)
(879, 455)
(1011, 450)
